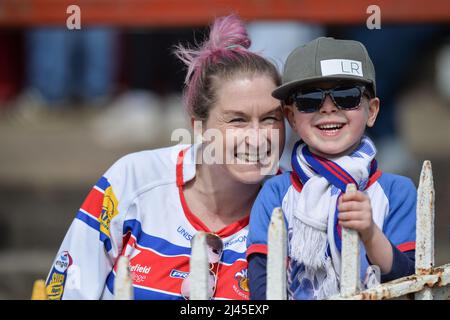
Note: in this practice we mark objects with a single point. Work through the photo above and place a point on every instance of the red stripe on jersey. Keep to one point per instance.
(407, 246)
(179, 167)
(257, 248)
(296, 181)
(232, 281)
(125, 241)
(152, 271)
(93, 203)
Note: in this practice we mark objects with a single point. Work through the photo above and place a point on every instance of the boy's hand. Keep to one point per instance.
(355, 212)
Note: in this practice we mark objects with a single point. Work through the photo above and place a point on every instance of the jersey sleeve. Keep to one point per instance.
(400, 223)
(93, 241)
(269, 198)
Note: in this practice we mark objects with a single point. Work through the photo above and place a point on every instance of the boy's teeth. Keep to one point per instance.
(330, 126)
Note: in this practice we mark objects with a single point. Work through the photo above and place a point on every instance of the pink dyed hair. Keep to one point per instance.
(224, 54)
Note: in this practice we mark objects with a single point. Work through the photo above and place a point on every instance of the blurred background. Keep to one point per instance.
(72, 101)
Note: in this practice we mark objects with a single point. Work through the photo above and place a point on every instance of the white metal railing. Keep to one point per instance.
(428, 282)
(198, 268)
(277, 257)
(350, 258)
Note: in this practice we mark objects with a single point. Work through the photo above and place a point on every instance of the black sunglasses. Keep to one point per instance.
(344, 97)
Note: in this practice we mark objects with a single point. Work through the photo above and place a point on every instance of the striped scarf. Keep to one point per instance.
(324, 180)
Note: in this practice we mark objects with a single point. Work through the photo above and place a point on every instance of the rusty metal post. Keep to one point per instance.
(429, 282)
(123, 288)
(199, 271)
(276, 257)
(350, 265)
(425, 227)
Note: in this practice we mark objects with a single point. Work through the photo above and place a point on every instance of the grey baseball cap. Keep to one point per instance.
(326, 59)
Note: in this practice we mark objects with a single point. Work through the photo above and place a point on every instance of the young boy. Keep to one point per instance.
(329, 95)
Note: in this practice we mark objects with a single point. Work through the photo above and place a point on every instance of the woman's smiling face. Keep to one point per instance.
(251, 125)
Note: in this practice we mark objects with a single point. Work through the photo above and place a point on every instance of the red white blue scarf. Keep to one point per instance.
(313, 243)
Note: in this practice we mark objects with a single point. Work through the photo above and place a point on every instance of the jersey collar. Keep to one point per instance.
(185, 171)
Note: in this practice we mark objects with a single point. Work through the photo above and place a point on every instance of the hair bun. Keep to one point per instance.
(227, 33)
(223, 54)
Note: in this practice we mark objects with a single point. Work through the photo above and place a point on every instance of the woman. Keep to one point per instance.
(148, 207)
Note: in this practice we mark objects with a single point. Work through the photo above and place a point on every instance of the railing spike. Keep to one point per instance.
(199, 271)
(276, 258)
(425, 227)
(350, 265)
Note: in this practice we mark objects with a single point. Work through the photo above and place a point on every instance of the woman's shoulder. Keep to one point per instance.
(146, 166)
(166, 157)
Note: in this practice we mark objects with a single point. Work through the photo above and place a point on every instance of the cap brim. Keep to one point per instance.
(285, 90)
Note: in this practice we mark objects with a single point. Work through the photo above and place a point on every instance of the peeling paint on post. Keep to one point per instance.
(425, 227)
(123, 289)
(276, 257)
(425, 221)
(437, 282)
(350, 258)
(428, 282)
(199, 271)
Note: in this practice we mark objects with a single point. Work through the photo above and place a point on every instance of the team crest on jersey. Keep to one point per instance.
(57, 279)
(242, 280)
(109, 210)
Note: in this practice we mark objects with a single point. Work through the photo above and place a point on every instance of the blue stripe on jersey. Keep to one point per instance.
(230, 256)
(167, 248)
(106, 241)
(102, 183)
(94, 224)
(142, 294)
(91, 222)
(160, 245)
(148, 294)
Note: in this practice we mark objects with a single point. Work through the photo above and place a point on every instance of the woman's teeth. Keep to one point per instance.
(245, 157)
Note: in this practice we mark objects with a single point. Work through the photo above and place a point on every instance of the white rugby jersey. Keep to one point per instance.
(138, 209)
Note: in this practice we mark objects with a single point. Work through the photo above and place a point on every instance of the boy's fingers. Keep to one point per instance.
(355, 196)
(350, 206)
(346, 216)
(350, 216)
(351, 224)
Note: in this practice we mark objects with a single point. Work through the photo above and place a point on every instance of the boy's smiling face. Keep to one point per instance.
(331, 132)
